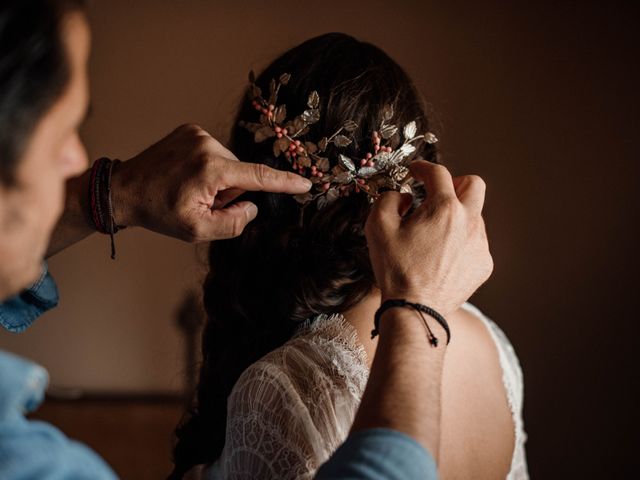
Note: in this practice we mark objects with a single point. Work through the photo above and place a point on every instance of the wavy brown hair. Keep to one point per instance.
(278, 273)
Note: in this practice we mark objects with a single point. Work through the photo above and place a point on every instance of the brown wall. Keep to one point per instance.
(539, 99)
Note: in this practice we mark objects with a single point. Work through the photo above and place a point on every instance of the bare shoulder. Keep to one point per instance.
(467, 320)
(475, 409)
(472, 345)
(472, 365)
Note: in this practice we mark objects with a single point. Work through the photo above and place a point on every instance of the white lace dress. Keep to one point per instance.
(293, 408)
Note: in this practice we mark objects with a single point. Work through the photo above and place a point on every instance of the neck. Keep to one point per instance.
(361, 318)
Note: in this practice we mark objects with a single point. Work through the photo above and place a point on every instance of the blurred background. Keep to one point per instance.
(539, 98)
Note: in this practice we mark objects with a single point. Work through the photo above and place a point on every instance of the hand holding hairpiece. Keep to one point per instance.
(384, 168)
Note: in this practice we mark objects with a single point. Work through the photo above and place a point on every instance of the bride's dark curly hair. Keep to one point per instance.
(275, 275)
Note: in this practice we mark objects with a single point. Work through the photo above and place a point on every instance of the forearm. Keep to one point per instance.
(75, 223)
(403, 392)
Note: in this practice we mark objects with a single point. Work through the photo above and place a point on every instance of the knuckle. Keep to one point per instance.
(259, 172)
(206, 144)
(477, 181)
(440, 169)
(222, 175)
(263, 173)
(203, 160)
(189, 128)
(208, 156)
(447, 205)
(194, 232)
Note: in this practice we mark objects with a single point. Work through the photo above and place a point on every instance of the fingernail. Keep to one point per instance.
(306, 182)
(252, 211)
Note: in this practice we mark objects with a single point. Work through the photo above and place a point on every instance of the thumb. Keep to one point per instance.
(229, 222)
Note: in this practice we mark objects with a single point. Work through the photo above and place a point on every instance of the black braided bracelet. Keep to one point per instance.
(418, 307)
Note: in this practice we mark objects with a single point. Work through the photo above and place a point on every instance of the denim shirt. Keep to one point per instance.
(30, 449)
(34, 450)
(379, 454)
(19, 312)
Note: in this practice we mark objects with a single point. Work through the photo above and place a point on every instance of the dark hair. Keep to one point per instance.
(263, 284)
(34, 71)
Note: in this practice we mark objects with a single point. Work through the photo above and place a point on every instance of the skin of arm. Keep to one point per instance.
(437, 256)
(74, 224)
(184, 186)
(403, 391)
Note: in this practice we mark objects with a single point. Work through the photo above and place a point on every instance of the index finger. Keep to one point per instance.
(259, 177)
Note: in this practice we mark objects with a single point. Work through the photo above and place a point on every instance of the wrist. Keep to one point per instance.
(416, 296)
(124, 196)
(407, 325)
(433, 322)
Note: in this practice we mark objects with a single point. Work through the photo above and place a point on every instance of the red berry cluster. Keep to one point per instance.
(268, 110)
(296, 149)
(376, 144)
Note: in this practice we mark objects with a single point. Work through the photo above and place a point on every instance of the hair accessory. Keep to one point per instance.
(384, 168)
(418, 307)
(100, 200)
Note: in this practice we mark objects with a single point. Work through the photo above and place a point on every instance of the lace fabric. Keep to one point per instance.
(292, 409)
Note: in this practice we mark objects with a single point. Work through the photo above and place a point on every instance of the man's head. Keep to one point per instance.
(44, 46)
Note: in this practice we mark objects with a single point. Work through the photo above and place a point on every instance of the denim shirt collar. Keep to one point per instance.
(20, 311)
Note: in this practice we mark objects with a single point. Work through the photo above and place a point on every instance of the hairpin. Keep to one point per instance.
(384, 168)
